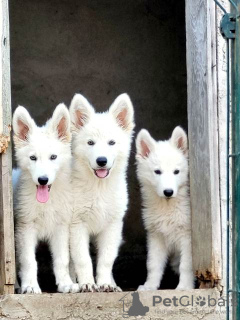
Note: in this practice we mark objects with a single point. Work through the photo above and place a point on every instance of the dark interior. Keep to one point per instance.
(101, 49)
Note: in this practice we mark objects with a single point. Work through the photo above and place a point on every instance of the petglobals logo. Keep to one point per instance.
(186, 301)
(133, 306)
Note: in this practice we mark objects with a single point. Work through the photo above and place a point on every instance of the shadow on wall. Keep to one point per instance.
(103, 48)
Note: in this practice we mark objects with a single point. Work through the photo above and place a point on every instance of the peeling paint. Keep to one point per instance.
(207, 279)
(4, 140)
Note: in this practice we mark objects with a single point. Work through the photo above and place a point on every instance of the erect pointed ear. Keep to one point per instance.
(23, 125)
(122, 111)
(60, 123)
(144, 143)
(179, 139)
(80, 111)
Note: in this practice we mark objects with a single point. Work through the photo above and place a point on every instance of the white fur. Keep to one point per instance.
(167, 220)
(43, 221)
(99, 203)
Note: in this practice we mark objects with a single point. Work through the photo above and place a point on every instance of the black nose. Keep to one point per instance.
(168, 192)
(43, 181)
(101, 161)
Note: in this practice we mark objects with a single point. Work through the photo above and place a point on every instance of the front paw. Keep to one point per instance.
(89, 287)
(68, 287)
(30, 289)
(185, 286)
(109, 288)
(146, 288)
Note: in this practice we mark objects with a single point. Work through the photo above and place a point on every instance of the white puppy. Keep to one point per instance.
(42, 195)
(162, 169)
(101, 147)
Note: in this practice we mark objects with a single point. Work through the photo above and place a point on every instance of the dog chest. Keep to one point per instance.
(98, 209)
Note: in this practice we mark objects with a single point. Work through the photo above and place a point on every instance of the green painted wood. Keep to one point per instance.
(236, 168)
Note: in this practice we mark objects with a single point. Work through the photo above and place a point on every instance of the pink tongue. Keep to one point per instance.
(102, 173)
(42, 194)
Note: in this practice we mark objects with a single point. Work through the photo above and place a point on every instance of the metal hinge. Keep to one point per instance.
(228, 26)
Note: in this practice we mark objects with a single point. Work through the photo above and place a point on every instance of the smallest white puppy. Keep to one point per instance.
(162, 169)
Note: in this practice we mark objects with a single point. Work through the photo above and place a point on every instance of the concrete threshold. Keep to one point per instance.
(205, 304)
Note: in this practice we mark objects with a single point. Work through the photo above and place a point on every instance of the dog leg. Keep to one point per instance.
(59, 243)
(26, 242)
(186, 281)
(108, 242)
(175, 262)
(156, 261)
(79, 244)
(72, 272)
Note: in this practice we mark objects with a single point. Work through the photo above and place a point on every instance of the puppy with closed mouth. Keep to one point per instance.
(162, 170)
(101, 147)
(42, 195)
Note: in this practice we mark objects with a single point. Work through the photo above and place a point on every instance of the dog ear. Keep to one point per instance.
(122, 111)
(80, 111)
(144, 143)
(60, 123)
(23, 125)
(179, 139)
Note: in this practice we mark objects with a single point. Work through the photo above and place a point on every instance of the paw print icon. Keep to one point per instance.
(201, 301)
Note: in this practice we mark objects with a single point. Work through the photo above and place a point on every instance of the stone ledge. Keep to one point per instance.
(107, 306)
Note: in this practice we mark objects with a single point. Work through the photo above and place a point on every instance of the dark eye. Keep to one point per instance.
(111, 142)
(176, 172)
(33, 158)
(158, 172)
(91, 143)
(53, 157)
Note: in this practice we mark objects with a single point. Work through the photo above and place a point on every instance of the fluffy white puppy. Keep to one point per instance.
(162, 169)
(101, 147)
(42, 195)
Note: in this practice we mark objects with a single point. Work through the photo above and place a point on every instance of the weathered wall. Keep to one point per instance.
(103, 48)
(222, 123)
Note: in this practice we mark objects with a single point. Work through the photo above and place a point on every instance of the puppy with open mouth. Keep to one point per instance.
(101, 147)
(101, 173)
(43, 192)
(42, 195)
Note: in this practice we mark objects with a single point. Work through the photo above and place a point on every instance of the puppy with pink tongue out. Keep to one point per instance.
(42, 195)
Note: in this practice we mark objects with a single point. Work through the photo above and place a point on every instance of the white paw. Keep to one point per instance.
(30, 289)
(183, 286)
(75, 288)
(109, 288)
(89, 287)
(69, 287)
(146, 288)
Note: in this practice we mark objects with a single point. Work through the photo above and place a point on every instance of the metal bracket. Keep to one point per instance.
(228, 26)
(234, 155)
